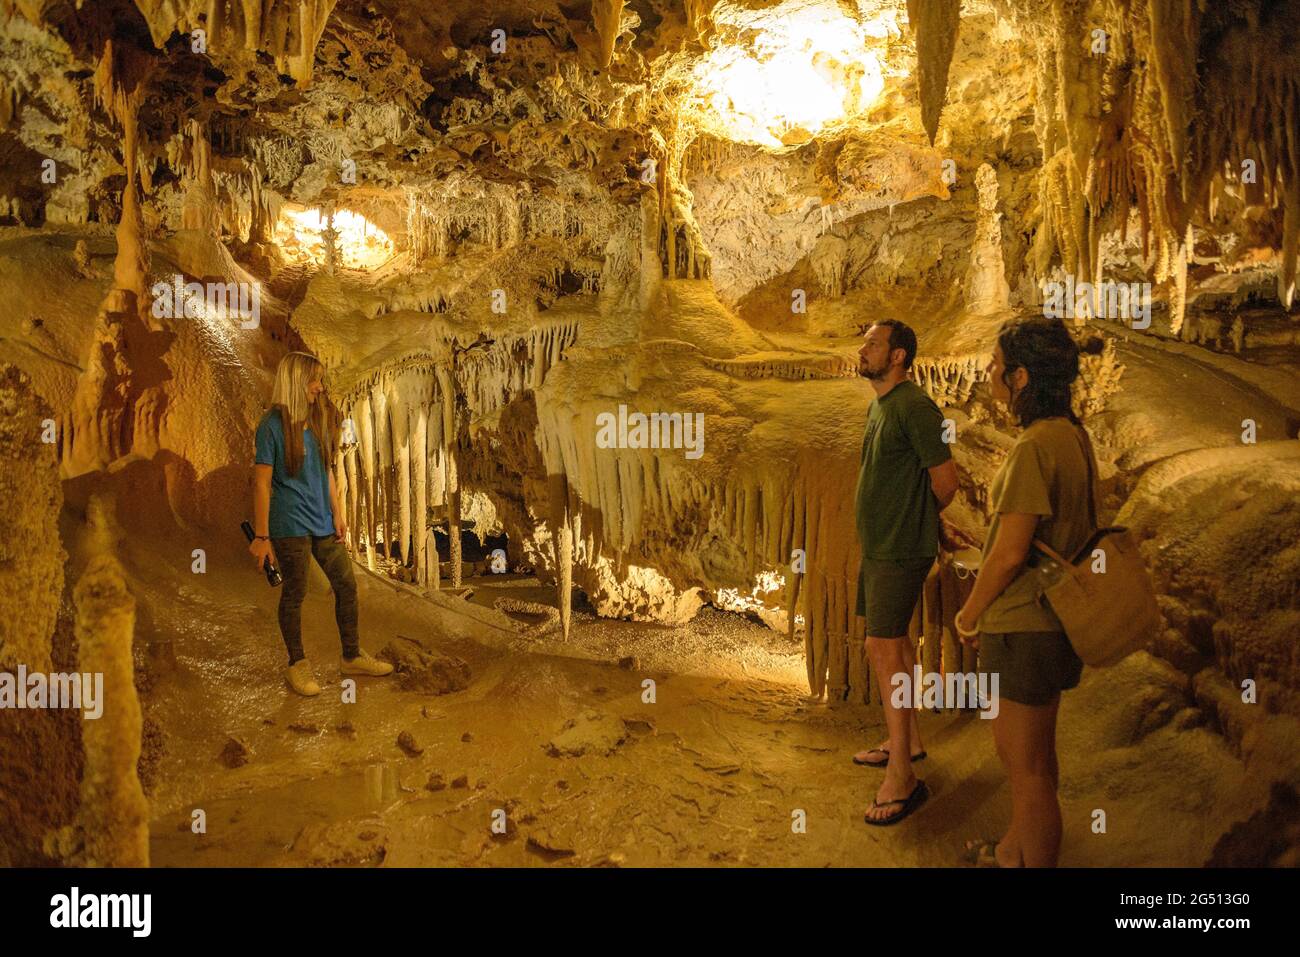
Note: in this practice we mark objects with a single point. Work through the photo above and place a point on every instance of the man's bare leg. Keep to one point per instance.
(909, 654)
(888, 658)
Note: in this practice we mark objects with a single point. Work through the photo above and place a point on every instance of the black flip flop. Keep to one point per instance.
(881, 764)
(909, 804)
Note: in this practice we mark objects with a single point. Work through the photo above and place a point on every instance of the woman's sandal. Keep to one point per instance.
(919, 756)
(909, 804)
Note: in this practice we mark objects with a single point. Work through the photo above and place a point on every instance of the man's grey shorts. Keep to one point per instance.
(888, 590)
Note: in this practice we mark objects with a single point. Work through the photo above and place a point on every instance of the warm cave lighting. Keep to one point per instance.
(790, 71)
(359, 243)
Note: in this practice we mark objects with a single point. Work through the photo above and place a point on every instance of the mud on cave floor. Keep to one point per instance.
(711, 772)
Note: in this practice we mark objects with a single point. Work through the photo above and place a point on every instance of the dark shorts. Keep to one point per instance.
(1032, 667)
(888, 591)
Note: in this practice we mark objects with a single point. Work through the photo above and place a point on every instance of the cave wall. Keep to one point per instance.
(1006, 150)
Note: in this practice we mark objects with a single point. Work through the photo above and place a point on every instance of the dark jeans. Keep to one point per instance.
(333, 558)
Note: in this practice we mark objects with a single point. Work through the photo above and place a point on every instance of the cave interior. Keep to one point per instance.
(589, 279)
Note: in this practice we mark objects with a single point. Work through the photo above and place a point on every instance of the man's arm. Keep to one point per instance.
(943, 482)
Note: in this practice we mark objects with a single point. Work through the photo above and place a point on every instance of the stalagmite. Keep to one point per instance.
(114, 816)
(987, 291)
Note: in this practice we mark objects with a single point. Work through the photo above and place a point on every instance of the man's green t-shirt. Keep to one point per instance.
(1046, 475)
(898, 515)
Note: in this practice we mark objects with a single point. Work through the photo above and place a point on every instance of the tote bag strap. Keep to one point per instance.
(1086, 446)
(1089, 462)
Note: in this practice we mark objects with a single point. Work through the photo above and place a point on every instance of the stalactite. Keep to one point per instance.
(199, 211)
(363, 420)
(9, 104)
(562, 542)
(454, 518)
(949, 380)
(1286, 279)
(935, 24)
(1178, 278)
(607, 15)
(286, 30)
(1174, 32)
(118, 88)
(354, 480)
(399, 413)
(446, 380)
(341, 486)
(420, 459)
(384, 465)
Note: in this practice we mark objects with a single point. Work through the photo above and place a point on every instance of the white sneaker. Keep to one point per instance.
(301, 679)
(364, 664)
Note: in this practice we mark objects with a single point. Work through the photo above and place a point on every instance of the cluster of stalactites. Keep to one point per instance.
(949, 380)
(829, 366)
(489, 378)
(617, 500)
(235, 200)
(394, 465)
(1183, 121)
(682, 250)
(497, 216)
(402, 430)
(287, 30)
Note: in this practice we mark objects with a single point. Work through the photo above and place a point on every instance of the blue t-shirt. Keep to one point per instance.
(300, 504)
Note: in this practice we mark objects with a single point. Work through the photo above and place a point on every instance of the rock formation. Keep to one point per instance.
(589, 280)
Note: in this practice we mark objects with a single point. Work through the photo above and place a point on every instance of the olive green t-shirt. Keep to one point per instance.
(1046, 475)
(897, 513)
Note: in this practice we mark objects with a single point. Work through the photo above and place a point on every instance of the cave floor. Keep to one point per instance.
(711, 772)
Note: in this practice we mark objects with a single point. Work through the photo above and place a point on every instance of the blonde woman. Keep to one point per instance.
(1041, 492)
(296, 514)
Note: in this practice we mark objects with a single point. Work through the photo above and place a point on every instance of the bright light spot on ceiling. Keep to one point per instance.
(780, 76)
(359, 243)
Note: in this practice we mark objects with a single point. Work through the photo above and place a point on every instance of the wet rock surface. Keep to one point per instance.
(589, 733)
(418, 668)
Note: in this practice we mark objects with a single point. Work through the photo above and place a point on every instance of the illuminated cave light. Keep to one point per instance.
(801, 68)
(360, 243)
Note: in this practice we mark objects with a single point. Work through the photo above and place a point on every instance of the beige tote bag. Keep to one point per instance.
(1109, 613)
